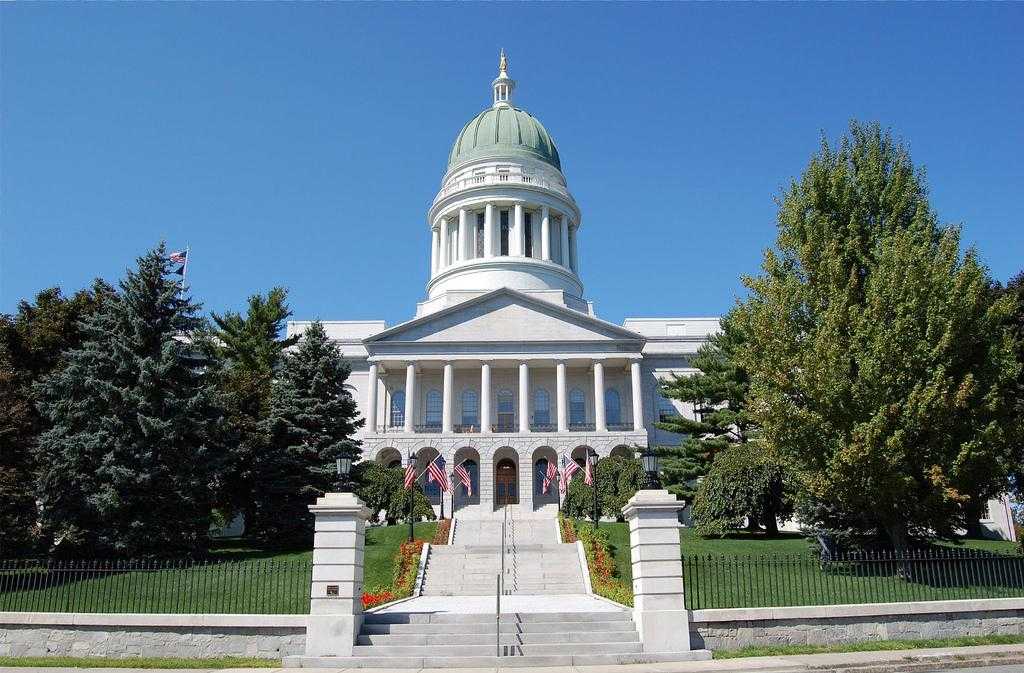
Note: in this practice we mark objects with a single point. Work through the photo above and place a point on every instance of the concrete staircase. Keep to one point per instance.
(446, 640)
(535, 563)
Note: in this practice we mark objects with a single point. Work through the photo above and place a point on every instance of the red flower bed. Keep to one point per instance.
(372, 600)
(444, 526)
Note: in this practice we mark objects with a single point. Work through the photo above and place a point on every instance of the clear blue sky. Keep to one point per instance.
(301, 144)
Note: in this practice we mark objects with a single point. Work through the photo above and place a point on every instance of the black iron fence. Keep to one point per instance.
(713, 581)
(239, 587)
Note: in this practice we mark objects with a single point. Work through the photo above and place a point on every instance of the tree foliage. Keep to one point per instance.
(745, 481)
(382, 488)
(32, 342)
(243, 352)
(125, 468)
(311, 422)
(717, 393)
(618, 479)
(878, 360)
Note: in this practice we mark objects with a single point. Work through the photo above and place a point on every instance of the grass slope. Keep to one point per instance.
(252, 582)
(746, 570)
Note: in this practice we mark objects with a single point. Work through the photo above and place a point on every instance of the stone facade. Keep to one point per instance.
(826, 625)
(39, 640)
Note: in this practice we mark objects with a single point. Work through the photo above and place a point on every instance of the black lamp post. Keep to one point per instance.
(597, 511)
(412, 496)
(344, 468)
(649, 458)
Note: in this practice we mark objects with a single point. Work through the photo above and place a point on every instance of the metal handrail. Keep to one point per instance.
(501, 584)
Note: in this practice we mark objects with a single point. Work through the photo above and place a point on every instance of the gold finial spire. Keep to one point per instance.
(503, 64)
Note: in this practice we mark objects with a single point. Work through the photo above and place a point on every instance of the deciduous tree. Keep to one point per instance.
(879, 362)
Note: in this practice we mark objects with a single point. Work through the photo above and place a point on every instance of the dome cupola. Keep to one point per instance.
(504, 216)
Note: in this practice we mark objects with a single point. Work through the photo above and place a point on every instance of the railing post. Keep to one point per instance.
(336, 593)
(659, 607)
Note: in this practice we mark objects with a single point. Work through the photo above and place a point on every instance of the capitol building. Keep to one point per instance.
(505, 367)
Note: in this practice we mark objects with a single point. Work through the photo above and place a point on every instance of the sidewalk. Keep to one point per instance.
(1008, 657)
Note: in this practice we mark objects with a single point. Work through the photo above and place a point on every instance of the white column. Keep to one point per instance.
(485, 398)
(524, 398)
(574, 259)
(336, 590)
(444, 244)
(371, 399)
(564, 231)
(446, 399)
(463, 235)
(519, 233)
(563, 415)
(638, 399)
(658, 607)
(489, 230)
(545, 234)
(599, 420)
(410, 396)
(434, 242)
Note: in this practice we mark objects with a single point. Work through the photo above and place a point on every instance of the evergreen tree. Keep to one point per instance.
(717, 394)
(243, 351)
(878, 361)
(125, 468)
(311, 423)
(32, 342)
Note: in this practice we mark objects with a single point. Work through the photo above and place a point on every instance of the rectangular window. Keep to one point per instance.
(504, 233)
(480, 218)
(528, 223)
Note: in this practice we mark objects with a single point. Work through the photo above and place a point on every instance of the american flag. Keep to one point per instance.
(549, 476)
(410, 475)
(588, 475)
(569, 468)
(464, 477)
(178, 257)
(437, 475)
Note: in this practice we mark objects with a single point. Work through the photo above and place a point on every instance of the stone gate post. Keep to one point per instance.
(659, 611)
(336, 593)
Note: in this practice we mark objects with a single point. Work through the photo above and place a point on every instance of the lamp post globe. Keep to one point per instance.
(649, 459)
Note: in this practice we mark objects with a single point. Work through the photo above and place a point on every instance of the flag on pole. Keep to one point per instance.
(179, 257)
(437, 475)
(569, 468)
(464, 477)
(410, 475)
(549, 476)
(588, 475)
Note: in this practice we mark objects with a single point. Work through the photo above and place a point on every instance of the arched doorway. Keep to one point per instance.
(469, 459)
(544, 494)
(506, 488)
(389, 457)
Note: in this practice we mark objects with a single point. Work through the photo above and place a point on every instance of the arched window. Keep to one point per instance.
(506, 411)
(470, 409)
(398, 408)
(540, 470)
(612, 407)
(577, 407)
(474, 478)
(541, 407)
(433, 411)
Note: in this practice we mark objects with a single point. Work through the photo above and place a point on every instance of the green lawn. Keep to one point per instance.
(746, 570)
(381, 544)
(867, 646)
(242, 580)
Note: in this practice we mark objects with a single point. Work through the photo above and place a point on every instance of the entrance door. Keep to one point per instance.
(505, 490)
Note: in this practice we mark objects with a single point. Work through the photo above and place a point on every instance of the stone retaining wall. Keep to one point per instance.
(824, 625)
(131, 635)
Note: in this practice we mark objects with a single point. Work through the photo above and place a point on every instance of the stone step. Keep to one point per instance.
(456, 650)
(489, 628)
(507, 638)
(493, 661)
(485, 618)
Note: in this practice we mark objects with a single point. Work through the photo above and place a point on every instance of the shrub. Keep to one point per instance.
(618, 479)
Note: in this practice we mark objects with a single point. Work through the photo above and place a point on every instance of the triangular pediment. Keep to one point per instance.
(504, 315)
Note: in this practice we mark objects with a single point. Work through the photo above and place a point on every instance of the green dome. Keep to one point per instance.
(501, 132)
